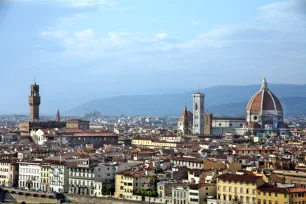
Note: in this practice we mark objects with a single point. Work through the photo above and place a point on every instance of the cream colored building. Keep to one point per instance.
(151, 143)
(233, 188)
(8, 172)
(128, 182)
(281, 195)
(45, 177)
(189, 162)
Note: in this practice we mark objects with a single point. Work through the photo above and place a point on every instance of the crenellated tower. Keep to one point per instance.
(34, 101)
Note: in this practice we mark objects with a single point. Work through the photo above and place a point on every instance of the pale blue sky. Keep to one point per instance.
(79, 50)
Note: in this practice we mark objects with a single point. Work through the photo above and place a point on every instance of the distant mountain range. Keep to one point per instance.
(291, 106)
(219, 100)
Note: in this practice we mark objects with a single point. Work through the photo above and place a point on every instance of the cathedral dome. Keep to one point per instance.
(264, 100)
(190, 116)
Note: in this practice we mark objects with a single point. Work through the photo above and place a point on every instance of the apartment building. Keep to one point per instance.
(189, 162)
(271, 194)
(30, 175)
(59, 177)
(252, 151)
(8, 172)
(82, 176)
(238, 188)
(152, 143)
(128, 182)
(45, 177)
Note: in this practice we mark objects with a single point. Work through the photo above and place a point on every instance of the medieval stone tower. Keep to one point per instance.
(34, 101)
(198, 113)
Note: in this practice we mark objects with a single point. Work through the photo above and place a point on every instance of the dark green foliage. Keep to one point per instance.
(148, 193)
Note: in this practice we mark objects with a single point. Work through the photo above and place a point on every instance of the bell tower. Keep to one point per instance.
(34, 101)
(198, 113)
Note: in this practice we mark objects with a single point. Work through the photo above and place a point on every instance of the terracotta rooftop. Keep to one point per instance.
(94, 134)
(236, 177)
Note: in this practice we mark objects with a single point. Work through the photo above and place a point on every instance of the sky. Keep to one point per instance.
(80, 50)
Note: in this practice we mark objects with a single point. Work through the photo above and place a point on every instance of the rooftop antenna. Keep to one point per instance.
(198, 88)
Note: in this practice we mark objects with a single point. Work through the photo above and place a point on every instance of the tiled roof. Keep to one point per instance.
(236, 177)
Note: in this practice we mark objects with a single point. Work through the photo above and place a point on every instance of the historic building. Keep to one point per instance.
(45, 177)
(97, 139)
(34, 101)
(185, 121)
(35, 123)
(264, 112)
(82, 176)
(238, 188)
(79, 124)
(30, 175)
(59, 177)
(8, 172)
(264, 115)
(198, 113)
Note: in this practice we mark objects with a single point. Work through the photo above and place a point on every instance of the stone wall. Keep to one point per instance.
(15, 198)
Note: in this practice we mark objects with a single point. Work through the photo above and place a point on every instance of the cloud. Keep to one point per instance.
(195, 23)
(270, 32)
(88, 3)
(162, 35)
(54, 34)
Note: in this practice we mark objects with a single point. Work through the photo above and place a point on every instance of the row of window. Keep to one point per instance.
(85, 175)
(29, 178)
(235, 190)
(31, 184)
(229, 181)
(29, 170)
(82, 170)
(80, 182)
(179, 194)
(187, 163)
(225, 197)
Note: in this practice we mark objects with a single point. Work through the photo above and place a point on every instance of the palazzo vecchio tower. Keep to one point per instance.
(34, 101)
